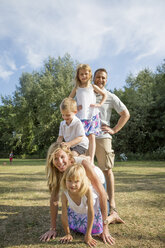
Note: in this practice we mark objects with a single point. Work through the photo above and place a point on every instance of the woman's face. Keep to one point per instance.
(61, 160)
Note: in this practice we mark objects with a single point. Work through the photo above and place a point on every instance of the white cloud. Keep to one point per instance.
(22, 67)
(7, 60)
(85, 29)
(5, 74)
(7, 66)
(55, 27)
(34, 58)
(138, 27)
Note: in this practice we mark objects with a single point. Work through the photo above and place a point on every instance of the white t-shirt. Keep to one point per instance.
(85, 97)
(72, 131)
(111, 102)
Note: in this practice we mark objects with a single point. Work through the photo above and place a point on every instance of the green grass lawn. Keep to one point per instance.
(24, 205)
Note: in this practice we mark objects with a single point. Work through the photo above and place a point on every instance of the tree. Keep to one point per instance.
(156, 116)
(29, 120)
(36, 103)
(6, 127)
(138, 97)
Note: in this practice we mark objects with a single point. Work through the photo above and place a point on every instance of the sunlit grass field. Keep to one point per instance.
(24, 205)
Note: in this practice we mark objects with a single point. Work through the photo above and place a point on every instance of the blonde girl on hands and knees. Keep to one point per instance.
(88, 111)
(83, 214)
(59, 158)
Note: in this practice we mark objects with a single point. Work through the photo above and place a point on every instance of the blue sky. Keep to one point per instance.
(122, 36)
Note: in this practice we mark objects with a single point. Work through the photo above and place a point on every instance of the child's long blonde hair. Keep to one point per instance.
(80, 67)
(76, 172)
(53, 174)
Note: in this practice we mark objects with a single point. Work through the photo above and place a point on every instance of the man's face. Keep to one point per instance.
(100, 79)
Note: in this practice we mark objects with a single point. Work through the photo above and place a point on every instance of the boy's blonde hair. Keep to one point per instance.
(68, 105)
(53, 174)
(76, 172)
(80, 67)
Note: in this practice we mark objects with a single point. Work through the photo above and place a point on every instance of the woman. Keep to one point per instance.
(59, 158)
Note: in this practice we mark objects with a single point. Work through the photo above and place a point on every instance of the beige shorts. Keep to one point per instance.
(104, 154)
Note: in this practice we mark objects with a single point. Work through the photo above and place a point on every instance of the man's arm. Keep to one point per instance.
(124, 117)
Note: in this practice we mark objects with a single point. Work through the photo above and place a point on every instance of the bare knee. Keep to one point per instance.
(76, 154)
(91, 137)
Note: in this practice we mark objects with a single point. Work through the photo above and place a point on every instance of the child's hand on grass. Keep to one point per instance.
(90, 241)
(66, 239)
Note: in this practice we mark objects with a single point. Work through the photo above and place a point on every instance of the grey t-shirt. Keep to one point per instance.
(112, 102)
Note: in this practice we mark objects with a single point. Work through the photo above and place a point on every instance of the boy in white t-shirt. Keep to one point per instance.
(71, 129)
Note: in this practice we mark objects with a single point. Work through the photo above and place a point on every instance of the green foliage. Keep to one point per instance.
(35, 105)
(29, 121)
(144, 96)
(156, 116)
(6, 127)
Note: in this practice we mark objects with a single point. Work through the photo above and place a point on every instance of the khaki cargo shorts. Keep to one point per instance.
(104, 154)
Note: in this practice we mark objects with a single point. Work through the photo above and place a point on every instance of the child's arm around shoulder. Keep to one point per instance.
(64, 218)
(101, 92)
(88, 237)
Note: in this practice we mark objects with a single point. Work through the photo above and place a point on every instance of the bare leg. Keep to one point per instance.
(76, 154)
(113, 217)
(85, 157)
(109, 177)
(92, 147)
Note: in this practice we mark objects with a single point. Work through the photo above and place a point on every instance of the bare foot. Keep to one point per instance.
(114, 218)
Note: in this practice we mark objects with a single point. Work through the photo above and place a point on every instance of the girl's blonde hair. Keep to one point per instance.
(53, 174)
(85, 67)
(76, 172)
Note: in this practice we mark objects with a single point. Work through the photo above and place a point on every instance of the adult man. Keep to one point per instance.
(104, 152)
